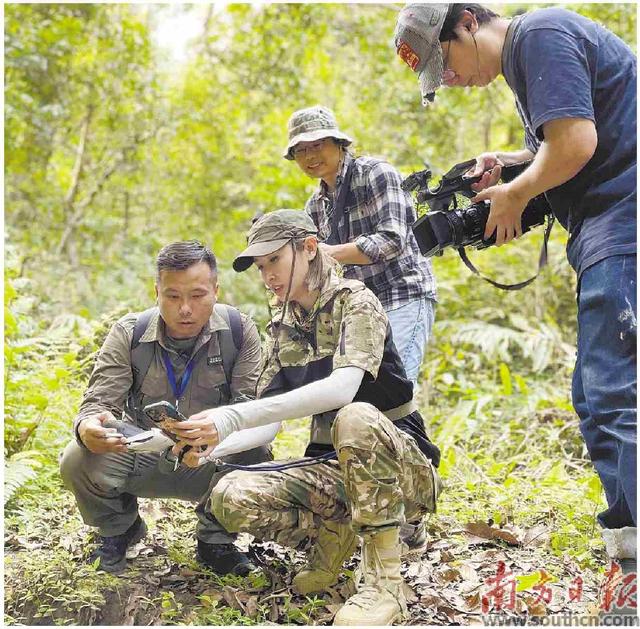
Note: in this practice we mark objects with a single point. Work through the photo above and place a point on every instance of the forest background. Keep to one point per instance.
(113, 148)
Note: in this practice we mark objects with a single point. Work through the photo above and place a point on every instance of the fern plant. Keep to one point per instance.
(18, 470)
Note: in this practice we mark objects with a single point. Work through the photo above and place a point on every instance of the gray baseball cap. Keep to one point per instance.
(311, 124)
(272, 231)
(417, 42)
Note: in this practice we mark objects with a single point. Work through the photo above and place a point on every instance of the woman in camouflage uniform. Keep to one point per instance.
(329, 354)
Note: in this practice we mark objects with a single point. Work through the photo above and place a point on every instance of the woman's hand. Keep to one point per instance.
(198, 430)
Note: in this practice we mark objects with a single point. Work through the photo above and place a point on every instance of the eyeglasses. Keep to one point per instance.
(314, 147)
(448, 75)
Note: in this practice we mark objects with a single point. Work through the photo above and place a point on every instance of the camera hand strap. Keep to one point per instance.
(542, 262)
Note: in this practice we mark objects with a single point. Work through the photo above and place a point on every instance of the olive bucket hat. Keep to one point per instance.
(272, 231)
(312, 124)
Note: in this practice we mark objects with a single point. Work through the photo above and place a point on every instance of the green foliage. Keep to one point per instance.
(19, 468)
(115, 153)
(303, 615)
(40, 379)
(54, 586)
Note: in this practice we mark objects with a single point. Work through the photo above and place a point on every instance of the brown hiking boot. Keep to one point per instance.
(379, 600)
(335, 543)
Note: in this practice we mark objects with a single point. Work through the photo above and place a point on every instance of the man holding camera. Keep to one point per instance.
(575, 88)
(187, 351)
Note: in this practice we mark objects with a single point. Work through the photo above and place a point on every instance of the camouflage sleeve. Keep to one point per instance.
(247, 366)
(111, 378)
(363, 328)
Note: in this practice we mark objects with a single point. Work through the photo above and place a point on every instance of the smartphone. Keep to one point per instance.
(160, 411)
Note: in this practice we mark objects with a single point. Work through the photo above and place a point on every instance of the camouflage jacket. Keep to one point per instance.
(347, 327)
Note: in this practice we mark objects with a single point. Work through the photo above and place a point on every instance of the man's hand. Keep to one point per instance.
(99, 439)
(505, 213)
(347, 253)
(328, 249)
(489, 166)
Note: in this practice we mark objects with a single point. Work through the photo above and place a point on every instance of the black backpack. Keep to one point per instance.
(230, 342)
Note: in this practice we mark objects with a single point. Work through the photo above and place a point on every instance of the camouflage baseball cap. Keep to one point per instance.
(272, 231)
(311, 124)
(417, 41)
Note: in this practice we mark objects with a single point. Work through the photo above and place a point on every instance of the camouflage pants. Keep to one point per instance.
(381, 479)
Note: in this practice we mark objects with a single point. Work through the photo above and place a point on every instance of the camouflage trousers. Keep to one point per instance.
(381, 479)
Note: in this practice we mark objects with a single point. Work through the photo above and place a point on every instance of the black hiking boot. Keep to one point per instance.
(413, 538)
(224, 559)
(112, 551)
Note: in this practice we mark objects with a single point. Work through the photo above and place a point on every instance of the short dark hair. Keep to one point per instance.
(179, 256)
(483, 15)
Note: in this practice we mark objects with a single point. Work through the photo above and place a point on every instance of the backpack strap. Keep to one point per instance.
(141, 356)
(230, 340)
(338, 209)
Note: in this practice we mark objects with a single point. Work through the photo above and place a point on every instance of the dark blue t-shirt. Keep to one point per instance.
(563, 65)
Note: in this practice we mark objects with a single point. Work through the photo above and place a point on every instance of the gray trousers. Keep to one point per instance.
(107, 486)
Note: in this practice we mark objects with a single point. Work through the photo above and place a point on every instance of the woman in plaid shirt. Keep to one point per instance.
(373, 240)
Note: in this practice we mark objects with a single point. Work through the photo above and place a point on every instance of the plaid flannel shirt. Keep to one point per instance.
(380, 216)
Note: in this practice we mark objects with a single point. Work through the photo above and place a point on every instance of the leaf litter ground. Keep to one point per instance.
(165, 585)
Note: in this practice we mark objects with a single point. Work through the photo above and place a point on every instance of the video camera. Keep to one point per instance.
(448, 225)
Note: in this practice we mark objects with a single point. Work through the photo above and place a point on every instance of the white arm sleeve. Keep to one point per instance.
(246, 440)
(328, 394)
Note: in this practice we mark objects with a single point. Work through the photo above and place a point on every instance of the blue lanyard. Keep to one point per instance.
(178, 389)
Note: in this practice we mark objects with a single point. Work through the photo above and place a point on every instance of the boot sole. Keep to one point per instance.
(398, 618)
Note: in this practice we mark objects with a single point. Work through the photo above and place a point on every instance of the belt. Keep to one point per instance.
(401, 411)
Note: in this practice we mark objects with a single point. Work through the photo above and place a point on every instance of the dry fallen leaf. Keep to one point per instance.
(468, 573)
(132, 605)
(274, 612)
(231, 598)
(537, 535)
(473, 601)
(213, 594)
(435, 556)
(417, 569)
(251, 606)
(535, 606)
(483, 530)
(409, 594)
(446, 575)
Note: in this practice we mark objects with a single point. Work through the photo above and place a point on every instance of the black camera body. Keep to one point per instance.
(447, 225)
